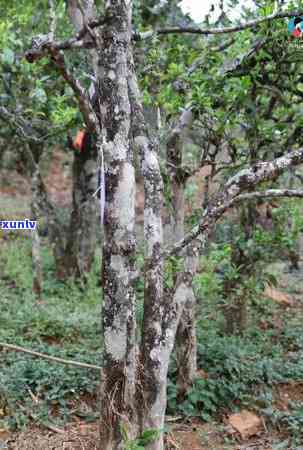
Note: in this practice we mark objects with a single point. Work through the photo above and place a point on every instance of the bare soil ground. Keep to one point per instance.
(183, 436)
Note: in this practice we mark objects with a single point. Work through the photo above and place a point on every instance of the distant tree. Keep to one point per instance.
(35, 119)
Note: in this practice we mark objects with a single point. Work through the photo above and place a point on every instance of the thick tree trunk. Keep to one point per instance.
(119, 318)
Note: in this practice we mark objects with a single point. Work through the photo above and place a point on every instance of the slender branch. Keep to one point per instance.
(224, 30)
(239, 183)
(270, 193)
(240, 65)
(201, 61)
(84, 102)
(43, 46)
(76, 41)
(67, 362)
(22, 127)
(52, 18)
(29, 131)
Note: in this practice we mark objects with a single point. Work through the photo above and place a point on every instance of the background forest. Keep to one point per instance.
(162, 160)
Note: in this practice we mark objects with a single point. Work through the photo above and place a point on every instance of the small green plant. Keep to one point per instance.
(140, 443)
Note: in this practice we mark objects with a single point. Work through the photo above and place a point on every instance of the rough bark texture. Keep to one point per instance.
(119, 327)
(157, 338)
(186, 342)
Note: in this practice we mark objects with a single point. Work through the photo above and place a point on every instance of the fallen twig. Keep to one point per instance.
(48, 357)
(41, 422)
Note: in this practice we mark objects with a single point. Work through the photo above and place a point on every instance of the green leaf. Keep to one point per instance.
(8, 56)
(40, 95)
(148, 436)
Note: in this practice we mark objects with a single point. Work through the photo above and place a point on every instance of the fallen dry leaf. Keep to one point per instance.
(246, 423)
(278, 296)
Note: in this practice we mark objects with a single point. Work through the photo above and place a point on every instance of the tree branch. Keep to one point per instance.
(22, 127)
(208, 31)
(29, 131)
(270, 193)
(44, 47)
(241, 64)
(242, 181)
(84, 101)
(200, 61)
(76, 41)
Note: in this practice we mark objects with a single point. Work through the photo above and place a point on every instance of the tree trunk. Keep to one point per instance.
(82, 235)
(42, 207)
(36, 246)
(186, 343)
(161, 312)
(157, 337)
(235, 314)
(119, 317)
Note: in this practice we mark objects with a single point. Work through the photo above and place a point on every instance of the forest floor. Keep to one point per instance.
(51, 407)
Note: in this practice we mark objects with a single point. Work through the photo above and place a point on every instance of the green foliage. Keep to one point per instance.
(140, 443)
(236, 368)
(237, 265)
(63, 114)
(172, 267)
(33, 91)
(208, 284)
(15, 269)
